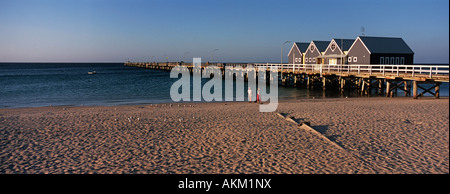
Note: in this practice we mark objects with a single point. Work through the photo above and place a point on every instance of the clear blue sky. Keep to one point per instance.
(243, 31)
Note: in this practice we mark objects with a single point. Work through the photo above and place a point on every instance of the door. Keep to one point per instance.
(333, 61)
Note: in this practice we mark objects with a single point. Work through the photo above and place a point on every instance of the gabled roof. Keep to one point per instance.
(386, 45)
(302, 46)
(344, 44)
(321, 45)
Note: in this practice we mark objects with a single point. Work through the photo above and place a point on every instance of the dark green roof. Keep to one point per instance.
(385, 45)
(347, 43)
(302, 46)
(321, 45)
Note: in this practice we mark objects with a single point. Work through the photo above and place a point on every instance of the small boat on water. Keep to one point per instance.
(92, 72)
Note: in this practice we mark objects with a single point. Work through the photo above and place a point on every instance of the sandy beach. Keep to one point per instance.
(355, 135)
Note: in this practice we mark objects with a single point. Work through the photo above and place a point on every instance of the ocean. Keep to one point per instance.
(69, 84)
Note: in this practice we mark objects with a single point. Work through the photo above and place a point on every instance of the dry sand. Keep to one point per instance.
(364, 135)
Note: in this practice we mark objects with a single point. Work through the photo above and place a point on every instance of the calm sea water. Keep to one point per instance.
(45, 84)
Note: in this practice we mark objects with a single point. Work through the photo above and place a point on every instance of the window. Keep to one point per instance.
(296, 60)
(349, 59)
(397, 60)
(402, 61)
(312, 48)
(299, 60)
(355, 59)
(381, 60)
(310, 60)
(392, 61)
(333, 46)
(386, 60)
(314, 60)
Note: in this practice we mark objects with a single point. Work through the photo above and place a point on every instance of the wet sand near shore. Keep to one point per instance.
(356, 135)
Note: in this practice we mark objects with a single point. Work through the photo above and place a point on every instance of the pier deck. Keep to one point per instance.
(382, 79)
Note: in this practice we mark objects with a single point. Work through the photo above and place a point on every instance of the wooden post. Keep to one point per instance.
(436, 89)
(380, 86)
(295, 80)
(415, 89)
(324, 81)
(405, 83)
(308, 81)
(362, 86)
(388, 88)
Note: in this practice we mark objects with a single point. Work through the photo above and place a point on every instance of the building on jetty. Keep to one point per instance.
(336, 52)
(362, 50)
(297, 53)
(315, 50)
(369, 65)
(380, 50)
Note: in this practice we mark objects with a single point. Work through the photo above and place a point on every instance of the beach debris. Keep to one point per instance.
(405, 121)
(291, 119)
(282, 115)
(304, 123)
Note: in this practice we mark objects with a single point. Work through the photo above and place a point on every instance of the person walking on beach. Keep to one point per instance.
(249, 91)
(258, 96)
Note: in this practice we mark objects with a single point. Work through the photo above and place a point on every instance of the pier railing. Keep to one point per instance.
(437, 72)
(426, 71)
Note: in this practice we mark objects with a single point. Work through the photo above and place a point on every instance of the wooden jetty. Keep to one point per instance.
(383, 80)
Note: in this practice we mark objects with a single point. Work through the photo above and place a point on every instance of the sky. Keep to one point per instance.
(241, 30)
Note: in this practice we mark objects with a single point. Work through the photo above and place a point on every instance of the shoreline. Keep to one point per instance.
(284, 100)
(351, 136)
